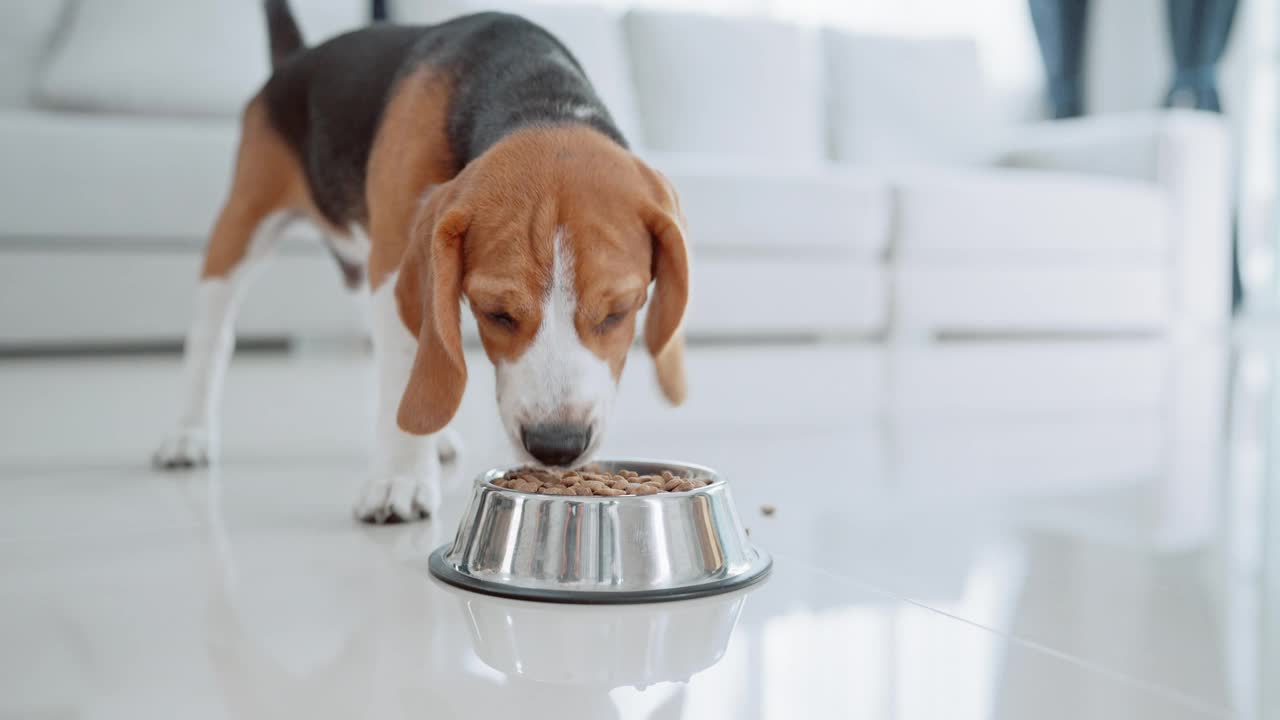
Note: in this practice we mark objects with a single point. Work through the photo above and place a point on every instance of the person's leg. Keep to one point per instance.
(1060, 27)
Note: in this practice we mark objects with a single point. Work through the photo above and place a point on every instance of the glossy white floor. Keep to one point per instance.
(1063, 530)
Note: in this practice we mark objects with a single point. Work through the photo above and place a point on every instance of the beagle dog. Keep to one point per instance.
(469, 161)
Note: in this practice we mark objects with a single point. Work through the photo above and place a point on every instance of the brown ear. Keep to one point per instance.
(429, 292)
(662, 330)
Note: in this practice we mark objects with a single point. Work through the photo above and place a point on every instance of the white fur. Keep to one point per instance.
(353, 247)
(405, 477)
(557, 379)
(210, 342)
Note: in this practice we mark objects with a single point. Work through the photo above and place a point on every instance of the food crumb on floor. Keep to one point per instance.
(767, 510)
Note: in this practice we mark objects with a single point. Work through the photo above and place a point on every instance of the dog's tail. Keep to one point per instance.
(282, 30)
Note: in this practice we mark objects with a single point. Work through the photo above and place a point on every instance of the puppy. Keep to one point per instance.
(466, 161)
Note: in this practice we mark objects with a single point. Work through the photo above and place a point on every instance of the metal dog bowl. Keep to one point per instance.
(570, 548)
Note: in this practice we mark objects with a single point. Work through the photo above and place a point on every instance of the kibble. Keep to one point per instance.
(588, 481)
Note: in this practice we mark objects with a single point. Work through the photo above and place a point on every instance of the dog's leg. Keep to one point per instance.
(207, 352)
(406, 474)
(267, 185)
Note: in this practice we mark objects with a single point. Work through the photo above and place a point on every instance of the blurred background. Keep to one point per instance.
(1009, 267)
(859, 150)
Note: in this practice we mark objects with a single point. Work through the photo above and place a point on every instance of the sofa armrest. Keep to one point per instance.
(1188, 155)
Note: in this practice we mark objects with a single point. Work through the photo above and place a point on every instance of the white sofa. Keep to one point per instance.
(836, 185)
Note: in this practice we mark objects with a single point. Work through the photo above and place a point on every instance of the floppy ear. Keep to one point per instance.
(663, 334)
(429, 292)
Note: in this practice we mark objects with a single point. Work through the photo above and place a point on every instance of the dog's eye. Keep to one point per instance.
(501, 318)
(611, 321)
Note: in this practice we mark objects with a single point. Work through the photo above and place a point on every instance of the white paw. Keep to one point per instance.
(399, 497)
(183, 448)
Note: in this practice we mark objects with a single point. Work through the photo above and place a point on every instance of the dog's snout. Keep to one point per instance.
(557, 444)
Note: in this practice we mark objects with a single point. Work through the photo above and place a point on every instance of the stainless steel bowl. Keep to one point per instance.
(627, 549)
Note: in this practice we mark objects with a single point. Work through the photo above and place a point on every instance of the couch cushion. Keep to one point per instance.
(1014, 297)
(160, 57)
(734, 202)
(72, 176)
(592, 34)
(901, 99)
(1012, 214)
(795, 296)
(731, 85)
(123, 294)
(27, 28)
(117, 180)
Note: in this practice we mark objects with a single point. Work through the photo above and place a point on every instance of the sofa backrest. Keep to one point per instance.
(593, 34)
(161, 57)
(728, 85)
(715, 85)
(896, 100)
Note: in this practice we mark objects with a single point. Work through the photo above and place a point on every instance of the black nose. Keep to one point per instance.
(556, 443)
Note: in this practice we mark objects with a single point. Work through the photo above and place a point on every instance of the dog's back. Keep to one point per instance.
(506, 73)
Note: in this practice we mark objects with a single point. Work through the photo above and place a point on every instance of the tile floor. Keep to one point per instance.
(1057, 530)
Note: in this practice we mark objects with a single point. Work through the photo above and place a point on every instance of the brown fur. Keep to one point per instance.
(493, 227)
(267, 179)
(428, 295)
(410, 154)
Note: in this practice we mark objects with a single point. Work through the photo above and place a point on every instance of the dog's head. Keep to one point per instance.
(553, 238)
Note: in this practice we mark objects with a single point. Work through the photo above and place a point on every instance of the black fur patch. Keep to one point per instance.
(282, 31)
(326, 102)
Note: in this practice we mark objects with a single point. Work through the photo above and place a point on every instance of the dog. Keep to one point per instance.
(469, 161)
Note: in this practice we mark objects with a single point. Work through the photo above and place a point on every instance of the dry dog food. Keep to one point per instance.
(591, 481)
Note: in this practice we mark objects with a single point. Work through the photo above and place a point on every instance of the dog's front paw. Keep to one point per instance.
(184, 448)
(399, 497)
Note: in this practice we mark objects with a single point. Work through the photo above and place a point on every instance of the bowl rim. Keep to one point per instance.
(486, 478)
